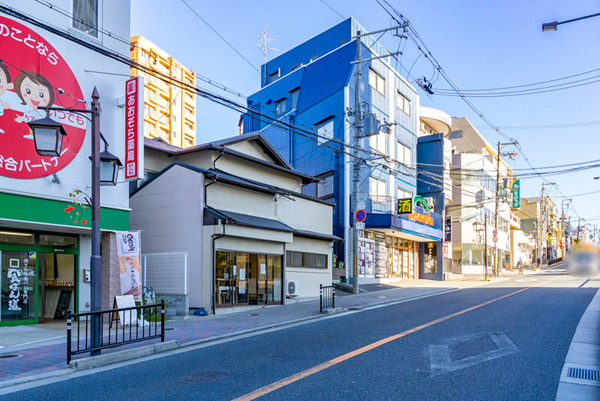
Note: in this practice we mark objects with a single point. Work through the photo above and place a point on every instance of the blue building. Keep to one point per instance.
(310, 90)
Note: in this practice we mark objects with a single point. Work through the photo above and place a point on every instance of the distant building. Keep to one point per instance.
(170, 111)
(474, 172)
(434, 183)
(312, 87)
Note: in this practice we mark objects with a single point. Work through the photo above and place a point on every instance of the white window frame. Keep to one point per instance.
(404, 154)
(78, 31)
(379, 142)
(377, 81)
(294, 102)
(377, 190)
(403, 103)
(325, 186)
(280, 107)
(325, 129)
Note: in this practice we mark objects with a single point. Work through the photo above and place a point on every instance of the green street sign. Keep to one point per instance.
(516, 194)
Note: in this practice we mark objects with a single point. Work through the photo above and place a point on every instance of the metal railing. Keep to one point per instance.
(327, 297)
(137, 323)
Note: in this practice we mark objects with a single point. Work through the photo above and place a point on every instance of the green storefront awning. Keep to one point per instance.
(47, 211)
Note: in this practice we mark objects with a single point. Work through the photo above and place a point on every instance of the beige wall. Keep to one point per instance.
(169, 214)
(309, 279)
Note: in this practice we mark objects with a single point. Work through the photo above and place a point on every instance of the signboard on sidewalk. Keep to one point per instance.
(128, 251)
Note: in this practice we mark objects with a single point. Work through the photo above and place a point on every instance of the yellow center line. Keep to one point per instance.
(269, 388)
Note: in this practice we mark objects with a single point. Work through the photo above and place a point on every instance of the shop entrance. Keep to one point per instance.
(248, 279)
(37, 273)
(56, 285)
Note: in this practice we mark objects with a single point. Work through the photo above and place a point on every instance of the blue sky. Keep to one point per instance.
(480, 44)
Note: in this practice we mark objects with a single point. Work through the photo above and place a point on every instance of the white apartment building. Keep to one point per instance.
(474, 172)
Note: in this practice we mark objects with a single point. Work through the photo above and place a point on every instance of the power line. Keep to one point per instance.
(333, 9)
(548, 126)
(221, 36)
(128, 42)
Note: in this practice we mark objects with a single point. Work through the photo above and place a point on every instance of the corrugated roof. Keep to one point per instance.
(251, 221)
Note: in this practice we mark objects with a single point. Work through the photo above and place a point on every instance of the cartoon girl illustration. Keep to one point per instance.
(5, 85)
(35, 91)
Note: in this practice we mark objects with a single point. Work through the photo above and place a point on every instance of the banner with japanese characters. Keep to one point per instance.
(134, 125)
(128, 251)
(34, 75)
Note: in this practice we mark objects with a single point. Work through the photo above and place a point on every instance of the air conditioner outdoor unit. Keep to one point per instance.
(292, 289)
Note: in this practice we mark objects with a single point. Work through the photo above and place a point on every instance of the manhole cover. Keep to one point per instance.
(254, 314)
(205, 377)
(10, 356)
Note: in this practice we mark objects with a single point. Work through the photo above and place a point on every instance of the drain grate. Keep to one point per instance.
(585, 374)
(354, 308)
(205, 377)
(10, 356)
(254, 314)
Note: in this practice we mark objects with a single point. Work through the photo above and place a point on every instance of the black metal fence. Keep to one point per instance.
(327, 297)
(116, 327)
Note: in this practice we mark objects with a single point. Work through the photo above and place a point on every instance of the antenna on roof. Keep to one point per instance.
(265, 47)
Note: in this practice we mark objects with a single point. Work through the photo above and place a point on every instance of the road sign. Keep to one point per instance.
(495, 232)
(494, 238)
(360, 226)
(361, 216)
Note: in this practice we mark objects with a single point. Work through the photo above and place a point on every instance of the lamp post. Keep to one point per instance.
(47, 135)
(553, 26)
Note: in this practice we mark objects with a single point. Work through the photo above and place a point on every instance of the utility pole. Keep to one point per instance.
(485, 250)
(496, 268)
(496, 261)
(356, 143)
(356, 164)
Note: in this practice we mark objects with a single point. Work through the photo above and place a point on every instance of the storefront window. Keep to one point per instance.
(13, 237)
(248, 279)
(17, 288)
(57, 240)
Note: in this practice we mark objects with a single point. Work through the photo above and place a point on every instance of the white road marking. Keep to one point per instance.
(441, 362)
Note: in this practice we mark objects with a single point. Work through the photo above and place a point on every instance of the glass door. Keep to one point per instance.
(17, 286)
(274, 287)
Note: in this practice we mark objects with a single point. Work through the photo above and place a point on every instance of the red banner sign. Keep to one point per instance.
(133, 129)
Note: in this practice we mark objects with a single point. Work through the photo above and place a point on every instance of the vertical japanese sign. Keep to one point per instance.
(34, 75)
(128, 251)
(516, 194)
(134, 128)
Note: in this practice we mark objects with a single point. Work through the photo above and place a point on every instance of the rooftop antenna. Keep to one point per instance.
(265, 48)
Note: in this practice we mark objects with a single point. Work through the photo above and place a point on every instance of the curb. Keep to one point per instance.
(120, 356)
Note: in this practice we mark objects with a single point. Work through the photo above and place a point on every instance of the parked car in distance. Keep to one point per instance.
(583, 263)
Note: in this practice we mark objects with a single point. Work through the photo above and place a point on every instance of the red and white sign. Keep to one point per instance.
(33, 75)
(134, 126)
(447, 250)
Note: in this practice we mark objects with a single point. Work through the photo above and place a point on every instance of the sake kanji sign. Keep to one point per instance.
(34, 75)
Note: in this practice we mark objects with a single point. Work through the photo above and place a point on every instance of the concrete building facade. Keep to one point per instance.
(170, 110)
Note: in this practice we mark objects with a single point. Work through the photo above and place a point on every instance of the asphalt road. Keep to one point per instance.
(459, 347)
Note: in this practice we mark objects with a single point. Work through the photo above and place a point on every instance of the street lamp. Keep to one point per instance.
(553, 26)
(48, 135)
